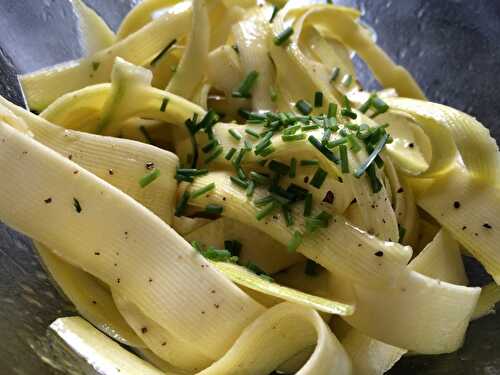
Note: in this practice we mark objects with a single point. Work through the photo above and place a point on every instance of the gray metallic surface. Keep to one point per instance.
(451, 46)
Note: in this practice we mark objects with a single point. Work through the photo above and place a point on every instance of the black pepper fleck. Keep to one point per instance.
(150, 165)
(118, 281)
(144, 330)
(163, 343)
(111, 173)
(401, 190)
(75, 172)
(76, 204)
(379, 253)
(97, 253)
(487, 226)
(94, 302)
(329, 197)
(411, 145)
(456, 204)
(216, 305)
(70, 156)
(48, 200)
(464, 227)
(306, 179)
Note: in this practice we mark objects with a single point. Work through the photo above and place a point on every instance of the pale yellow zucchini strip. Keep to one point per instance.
(370, 356)
(251, 35)
(490, 296)
(242, 276)
(193, 65)
(477, 148)
(121, 163)
(468, 209)
(98, 226)
(94, 32)
(91, 298)
(441, 259)
(87, 349)
(43, 87)
(287, 329)
(336, 248)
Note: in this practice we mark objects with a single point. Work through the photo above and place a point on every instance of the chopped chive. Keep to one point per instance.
(353, 143)
(95, 65)
(241, 174)
(306, 163)
(263, 201)
(287, 213)
(347, 80)
(261, 147)
(379, 105)
(293, 168)
(311, 268)
(374, 181)
(163, 105)
(402, 232)
(248, 145)
(377, 149)
(208, 120)
(319, 177)
(296, 193)
(278, 167)
(354, 127)
(239, 158)
(256, 121)
(327, 133)
(181, 206)
(235, 134)
(292, 129)
(344, 160)
(303, 107)
(210, 146)
(252, 133)
(268, 151)
(322, 148)
(183, 177)
(250, 189)
(332, 110)
(192, 129)
(192, 171)
(366, 105)
(214, 209)
(273, 15)
(318, 99)
(308, 204)
(260, 178)
(197, 246)
(149, 178)
(337, 142)
(335, 74)
(265, 139)
(306, 128)
(230, 153)
(146, 134)
(267, 210)
(280, 199)
(246, 86)
(293, 137)
(217, 255)
(347, 112)
(238, 181)
(214, 155)
(255, 268)
(163, 52)
(295, 241)
(205, 189)
(273, 94)
(283, 36)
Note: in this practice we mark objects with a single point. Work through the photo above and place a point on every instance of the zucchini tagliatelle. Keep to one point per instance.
(212, 187)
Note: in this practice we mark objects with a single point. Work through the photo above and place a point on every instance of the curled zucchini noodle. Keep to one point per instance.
(212, 187)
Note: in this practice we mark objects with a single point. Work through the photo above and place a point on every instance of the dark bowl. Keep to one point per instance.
(452, 47)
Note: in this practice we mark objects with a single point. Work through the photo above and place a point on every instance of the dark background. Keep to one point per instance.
(450, 46)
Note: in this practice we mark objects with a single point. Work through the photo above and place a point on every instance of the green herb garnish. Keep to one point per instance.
(244, 91)
(283, 36)
(203, 190)
(149, 178)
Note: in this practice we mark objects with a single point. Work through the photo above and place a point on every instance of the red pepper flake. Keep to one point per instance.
(144, 330)
(48, 200)
(379, 253)
(487, 226)
(456, 204)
